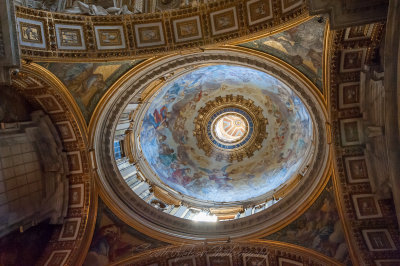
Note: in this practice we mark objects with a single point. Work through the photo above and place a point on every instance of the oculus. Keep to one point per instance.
(230, 128)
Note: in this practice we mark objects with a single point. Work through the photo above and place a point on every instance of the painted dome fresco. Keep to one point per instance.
(202, 138)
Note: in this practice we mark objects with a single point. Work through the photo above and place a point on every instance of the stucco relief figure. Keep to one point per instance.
(79, 7)
(50, 5)
(119, 10)
(223, 21)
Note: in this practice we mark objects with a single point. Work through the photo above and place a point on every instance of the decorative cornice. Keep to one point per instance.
(97, 38)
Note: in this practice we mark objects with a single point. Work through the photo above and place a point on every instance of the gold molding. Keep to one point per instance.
(345, 223)
(129, 144)
(165, 196)
(339, 44)
(328, 38)
(227, 212)
(90, 224)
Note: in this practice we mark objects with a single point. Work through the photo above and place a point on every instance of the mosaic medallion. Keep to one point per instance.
(230, 128)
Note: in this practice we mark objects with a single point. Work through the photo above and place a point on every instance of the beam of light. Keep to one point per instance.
(204, 217)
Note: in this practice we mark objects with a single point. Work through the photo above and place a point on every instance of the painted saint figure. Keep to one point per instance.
(159, 117)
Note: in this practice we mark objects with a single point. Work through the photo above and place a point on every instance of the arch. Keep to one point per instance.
(137, 214)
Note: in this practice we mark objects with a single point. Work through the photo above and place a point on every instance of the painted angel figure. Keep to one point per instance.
(221, 177)
(159, 117)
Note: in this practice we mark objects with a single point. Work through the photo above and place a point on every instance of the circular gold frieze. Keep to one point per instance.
(230, 128)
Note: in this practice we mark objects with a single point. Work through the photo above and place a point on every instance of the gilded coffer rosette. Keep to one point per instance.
(230, 128)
